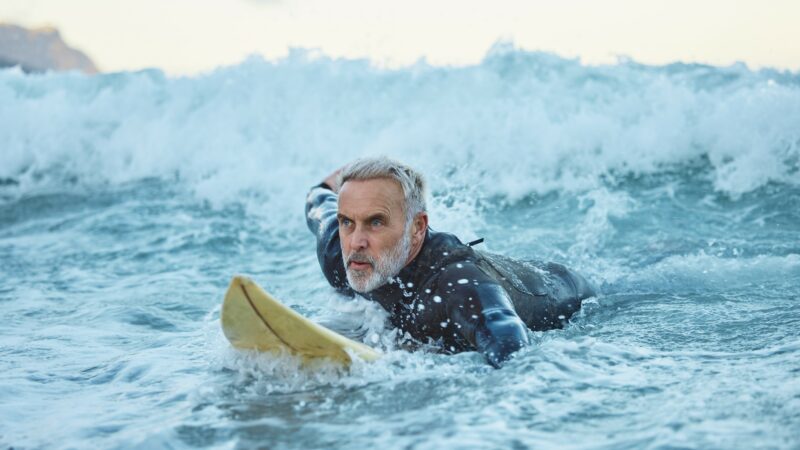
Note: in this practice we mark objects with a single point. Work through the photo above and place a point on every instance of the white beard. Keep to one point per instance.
(383, 270)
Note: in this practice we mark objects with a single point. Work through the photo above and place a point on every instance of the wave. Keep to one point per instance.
(517, 123)
(703, 271)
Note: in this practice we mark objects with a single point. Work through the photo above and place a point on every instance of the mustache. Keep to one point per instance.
(360, 258)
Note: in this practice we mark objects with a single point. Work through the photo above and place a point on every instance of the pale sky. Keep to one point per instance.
(190, 36)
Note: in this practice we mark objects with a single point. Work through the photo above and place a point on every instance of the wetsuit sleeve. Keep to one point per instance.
(321, 219)
(483, 311)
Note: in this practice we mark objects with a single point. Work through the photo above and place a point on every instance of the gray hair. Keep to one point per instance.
(411, 181)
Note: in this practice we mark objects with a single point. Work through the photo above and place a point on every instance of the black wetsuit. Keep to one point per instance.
(462, 298)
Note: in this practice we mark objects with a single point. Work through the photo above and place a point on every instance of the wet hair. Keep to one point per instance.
(411, 181)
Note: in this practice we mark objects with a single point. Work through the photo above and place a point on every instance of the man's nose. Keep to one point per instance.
(359, 239)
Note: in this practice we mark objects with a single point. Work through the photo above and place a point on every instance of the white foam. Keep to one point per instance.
(702, 270)
(516, 124)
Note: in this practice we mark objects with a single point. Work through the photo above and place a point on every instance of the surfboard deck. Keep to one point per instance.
(253, 319)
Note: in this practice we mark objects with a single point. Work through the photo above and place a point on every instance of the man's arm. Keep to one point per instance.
(500, 332)
(321, 209)
(483, 311)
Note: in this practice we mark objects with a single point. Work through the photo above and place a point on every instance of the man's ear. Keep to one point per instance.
(418, 227)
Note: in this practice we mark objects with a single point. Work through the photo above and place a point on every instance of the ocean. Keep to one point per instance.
(129, 200)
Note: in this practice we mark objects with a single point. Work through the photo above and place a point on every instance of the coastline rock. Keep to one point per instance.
(38, 50)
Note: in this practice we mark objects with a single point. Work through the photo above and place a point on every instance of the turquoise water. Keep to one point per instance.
(128, 200)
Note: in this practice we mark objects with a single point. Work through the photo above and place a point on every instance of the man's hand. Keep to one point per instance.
(499, 335)
(332, 180)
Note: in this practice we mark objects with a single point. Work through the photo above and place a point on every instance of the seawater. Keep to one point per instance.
(128, 200)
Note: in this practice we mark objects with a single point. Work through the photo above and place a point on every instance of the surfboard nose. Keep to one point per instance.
(253, 319)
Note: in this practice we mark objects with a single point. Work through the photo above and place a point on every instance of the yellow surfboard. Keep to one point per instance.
(253, 319)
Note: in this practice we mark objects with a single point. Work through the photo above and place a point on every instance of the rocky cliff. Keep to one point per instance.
(40, 50)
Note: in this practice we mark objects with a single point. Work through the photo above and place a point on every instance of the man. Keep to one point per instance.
(373, 238)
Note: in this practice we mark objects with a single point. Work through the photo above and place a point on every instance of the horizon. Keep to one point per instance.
(149, 34)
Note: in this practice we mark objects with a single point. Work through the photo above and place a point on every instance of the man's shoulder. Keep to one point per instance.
(440, 238)
(440, 252)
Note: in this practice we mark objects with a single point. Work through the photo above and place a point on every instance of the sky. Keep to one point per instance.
(185, 37)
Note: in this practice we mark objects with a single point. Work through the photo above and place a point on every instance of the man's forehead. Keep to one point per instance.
(372, 193)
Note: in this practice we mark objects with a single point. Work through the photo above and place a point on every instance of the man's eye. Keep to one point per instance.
(345, 222)
(377, 222)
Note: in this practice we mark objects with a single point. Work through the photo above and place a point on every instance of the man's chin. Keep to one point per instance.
(363, 284)
(360, 290)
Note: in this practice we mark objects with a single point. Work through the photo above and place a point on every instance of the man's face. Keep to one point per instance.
(372, 230)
